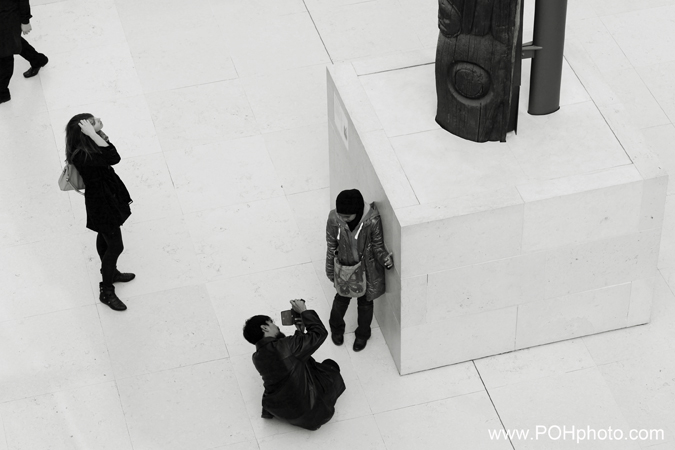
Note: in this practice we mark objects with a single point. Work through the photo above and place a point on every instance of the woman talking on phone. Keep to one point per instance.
(106, 198)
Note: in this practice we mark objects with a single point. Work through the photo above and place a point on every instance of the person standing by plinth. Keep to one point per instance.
(355, 263)
(105, 196)
(15, 20)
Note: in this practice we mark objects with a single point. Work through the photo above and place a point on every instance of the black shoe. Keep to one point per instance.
(123, 277)
(359, 344)
(338, 339)
(266, 414)
(5, 99)
(35, 70)
(107, 296)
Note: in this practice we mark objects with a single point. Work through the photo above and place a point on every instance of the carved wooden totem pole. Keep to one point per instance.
(478, 67)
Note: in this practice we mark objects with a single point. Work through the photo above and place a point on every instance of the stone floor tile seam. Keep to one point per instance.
(318, 33)
(107, 348)
(600, 364)
(91, 49)
(653, 96)
(609, 32)
(248, 101)
(248, 274)
(277, 170)
(311, 190)
(168, 171)
(514, 347)
(564, 340)
(132, 221)
(194, 85)
(524, 174)
(285, 69)
(168, 369)
(392, 70)
(436, 399)
(205, 83)
(379, 429)
(351, 359)
(407, 178)
(658, 126)
(232, 205)
(670, 288)
(607, 123)
(33, 316)
(4, 432)
(57, 391)
(487, 391)
(124, 414)
(220, 325)
(352, 355)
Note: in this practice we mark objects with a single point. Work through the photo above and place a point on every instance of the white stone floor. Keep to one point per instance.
(218, 108)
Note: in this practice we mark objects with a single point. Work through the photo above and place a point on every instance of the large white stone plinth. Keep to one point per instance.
(498, 246)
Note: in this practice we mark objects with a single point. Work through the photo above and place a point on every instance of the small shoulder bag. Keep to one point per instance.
(70, 179)
(350, 281)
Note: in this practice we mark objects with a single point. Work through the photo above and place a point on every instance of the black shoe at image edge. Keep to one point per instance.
(35, 70)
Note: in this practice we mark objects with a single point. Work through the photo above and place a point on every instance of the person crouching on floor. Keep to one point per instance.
(298, 389)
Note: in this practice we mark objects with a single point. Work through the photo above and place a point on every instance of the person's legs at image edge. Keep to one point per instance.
(6, 70)
(37, 60)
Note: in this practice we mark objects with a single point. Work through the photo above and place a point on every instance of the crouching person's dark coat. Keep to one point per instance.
(298, 389)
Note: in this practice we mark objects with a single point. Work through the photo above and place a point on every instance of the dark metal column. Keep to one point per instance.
(549, 34)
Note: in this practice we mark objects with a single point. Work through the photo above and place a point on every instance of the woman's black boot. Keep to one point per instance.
(108, 297)
(120, 277)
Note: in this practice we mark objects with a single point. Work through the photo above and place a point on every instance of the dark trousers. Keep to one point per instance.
(7, 65)
(109, 247)
(339, 309)
(6, 71)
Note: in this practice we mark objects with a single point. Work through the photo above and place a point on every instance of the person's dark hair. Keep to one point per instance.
(76, 139)
(252, 331)
(350, 202)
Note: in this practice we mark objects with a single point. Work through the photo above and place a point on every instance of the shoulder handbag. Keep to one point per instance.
(350, 281)
(70, 179)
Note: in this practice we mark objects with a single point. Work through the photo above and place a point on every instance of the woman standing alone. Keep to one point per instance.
(354, 239)
(106, 198)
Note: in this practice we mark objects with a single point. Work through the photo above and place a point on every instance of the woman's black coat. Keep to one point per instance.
(106, 198)
(12, 14)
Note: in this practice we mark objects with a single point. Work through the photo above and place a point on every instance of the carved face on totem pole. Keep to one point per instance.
(478, 67)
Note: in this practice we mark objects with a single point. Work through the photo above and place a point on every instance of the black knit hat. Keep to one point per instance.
(349, 202)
